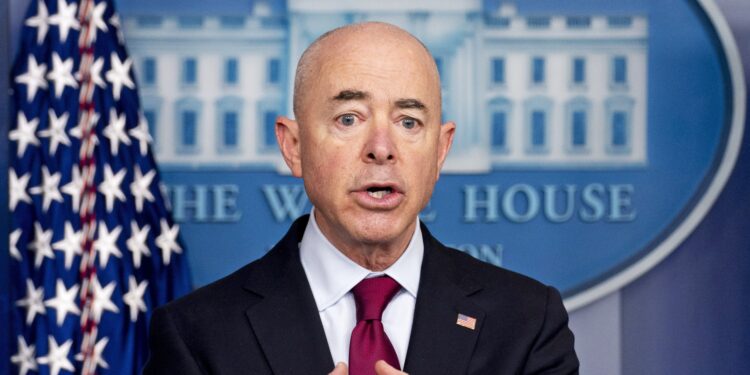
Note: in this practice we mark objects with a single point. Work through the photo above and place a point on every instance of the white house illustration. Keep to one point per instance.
(526, 90)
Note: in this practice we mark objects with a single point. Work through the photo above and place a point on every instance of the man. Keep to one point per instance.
(360, 282)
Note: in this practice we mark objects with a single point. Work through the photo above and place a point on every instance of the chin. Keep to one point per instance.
(380, 230)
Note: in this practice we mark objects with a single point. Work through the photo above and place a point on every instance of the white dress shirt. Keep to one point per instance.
(332, 276)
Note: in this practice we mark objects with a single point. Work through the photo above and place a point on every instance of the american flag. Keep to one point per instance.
(93, 249)
(466, 321)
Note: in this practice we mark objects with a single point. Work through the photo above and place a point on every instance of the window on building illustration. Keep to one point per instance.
(273, 71)
(269, 125)
(189, 71)
(189, 128)
(148, 21)
(190, 22)
(618, 22)
(579, 71)
(498, 70)
(619, 129)
(578, 22)
(538, 22)
(620, 70)
(230, 129)
(496, 21)
(499, 129)
(538, 128)
(537, 70)
(150, 116)
(149, 71)
(232, 22)
(578, 136)
(231, 71)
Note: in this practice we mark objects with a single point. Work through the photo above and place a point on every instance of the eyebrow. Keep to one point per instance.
(345, 95)
(411, 103)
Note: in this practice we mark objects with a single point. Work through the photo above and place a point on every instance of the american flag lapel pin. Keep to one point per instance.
(466, 321)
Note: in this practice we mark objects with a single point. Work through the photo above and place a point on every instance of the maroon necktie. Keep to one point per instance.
(369, 342)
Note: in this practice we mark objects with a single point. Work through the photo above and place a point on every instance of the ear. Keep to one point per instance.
(287, 134)
(445, 140)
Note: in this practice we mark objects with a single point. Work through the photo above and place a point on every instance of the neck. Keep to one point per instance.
(375, 257)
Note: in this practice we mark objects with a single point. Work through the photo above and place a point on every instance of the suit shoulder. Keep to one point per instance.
(216, 295)
(230, 292)
(501, 280)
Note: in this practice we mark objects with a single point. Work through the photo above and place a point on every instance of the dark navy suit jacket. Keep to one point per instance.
(263, 319)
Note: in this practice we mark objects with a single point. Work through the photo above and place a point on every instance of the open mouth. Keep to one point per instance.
(379, 192)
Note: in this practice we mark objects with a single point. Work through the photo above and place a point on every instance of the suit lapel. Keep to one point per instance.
(286, 320)
(438, 345)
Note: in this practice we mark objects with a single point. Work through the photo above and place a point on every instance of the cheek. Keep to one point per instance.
(324, 171)
(422, 173)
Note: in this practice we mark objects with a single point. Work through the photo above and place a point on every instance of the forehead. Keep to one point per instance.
(390, 65)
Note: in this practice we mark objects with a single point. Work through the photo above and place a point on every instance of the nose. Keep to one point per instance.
(380, 147)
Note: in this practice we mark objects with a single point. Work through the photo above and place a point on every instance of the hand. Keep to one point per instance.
(381, 368)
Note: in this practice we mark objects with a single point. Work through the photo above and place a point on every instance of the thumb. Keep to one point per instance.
(383, 368)
(340, 369)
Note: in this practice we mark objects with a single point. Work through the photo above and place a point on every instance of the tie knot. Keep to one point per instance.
(372, 295)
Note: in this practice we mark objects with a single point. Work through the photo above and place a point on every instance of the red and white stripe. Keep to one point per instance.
(88, 198)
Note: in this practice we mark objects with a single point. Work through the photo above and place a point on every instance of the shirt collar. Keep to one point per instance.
(331, 274)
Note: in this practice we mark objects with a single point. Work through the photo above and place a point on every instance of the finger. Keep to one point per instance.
(383, 368)
(340, 369)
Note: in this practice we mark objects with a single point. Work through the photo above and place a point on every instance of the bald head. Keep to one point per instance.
(351, 39)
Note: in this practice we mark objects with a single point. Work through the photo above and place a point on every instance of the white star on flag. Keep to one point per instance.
(49, 188)
(74, 188)
(77, 131)
(64, 301)
(41, 244)
(33, 78)
(65, 19)
(97, 358)
(70, 244)
(33, 301)
(141, 187)
(61, 74)
(97, 21)
(167, 241)
(57, 356)
(134, 297)
(119, 74)
(14, 253)
(137, 242)
(115, 22)
(110, 186)
(115, 131)
(102, 299)
(24, 133)
(141, 133)
(56, 131)
(106, 244)
(17, 189)
(25, 358)
(40, 21)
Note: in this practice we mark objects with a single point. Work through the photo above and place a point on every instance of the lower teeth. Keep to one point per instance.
(377, 194)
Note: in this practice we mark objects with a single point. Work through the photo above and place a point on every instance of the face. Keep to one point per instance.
(368, 141)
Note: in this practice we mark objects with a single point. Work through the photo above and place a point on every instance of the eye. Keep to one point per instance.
(347, 119)
(409, 123)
